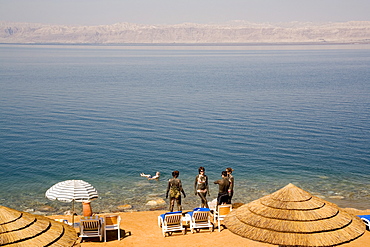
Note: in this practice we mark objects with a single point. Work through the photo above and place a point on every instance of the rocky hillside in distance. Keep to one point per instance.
(187, 33)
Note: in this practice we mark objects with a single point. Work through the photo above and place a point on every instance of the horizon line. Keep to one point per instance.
(196, 23)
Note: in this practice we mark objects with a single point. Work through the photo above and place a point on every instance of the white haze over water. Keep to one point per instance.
(97, 12)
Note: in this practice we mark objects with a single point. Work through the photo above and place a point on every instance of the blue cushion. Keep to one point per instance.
(198, 209)
(163, 215)
(366, 220)
(201, 209)
(364, 216)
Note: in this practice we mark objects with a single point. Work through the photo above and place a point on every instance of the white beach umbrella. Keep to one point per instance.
(71, 191)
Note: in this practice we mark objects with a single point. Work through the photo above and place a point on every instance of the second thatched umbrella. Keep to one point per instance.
(294, 217)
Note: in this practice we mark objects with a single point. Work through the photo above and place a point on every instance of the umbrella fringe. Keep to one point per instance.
(296, 239)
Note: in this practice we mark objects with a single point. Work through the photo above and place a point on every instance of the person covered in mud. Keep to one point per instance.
(229, 171)
(223, 189)
(201, 187)
(174, 190)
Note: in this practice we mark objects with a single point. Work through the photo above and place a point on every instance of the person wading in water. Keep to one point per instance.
(223, 189)
(201, 187)
(175, 189)
(231, 180)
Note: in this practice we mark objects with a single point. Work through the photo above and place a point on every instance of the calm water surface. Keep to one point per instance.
(104, 114)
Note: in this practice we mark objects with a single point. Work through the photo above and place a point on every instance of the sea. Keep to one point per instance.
(276, 114)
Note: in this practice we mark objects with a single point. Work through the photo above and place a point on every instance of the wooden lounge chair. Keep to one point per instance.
(91, 227)
(220, 214)
(200, 218)
(366, 220)
(112, 222)
(171, 222)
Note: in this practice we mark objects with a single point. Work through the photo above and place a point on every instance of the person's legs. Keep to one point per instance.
(203, 199)
(230, 197)
(219, 198)
(222, 198)
(172, 203)
(178, 202)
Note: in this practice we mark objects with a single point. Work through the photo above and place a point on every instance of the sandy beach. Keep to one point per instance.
(141, 230)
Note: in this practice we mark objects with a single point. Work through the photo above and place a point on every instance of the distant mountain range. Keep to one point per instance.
(188, 33)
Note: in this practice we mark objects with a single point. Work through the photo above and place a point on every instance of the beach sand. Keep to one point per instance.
(141, 230)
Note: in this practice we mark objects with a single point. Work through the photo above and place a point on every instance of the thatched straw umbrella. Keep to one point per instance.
(294, 217)
(24, 229)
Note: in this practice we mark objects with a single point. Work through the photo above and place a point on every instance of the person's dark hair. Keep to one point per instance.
(224, 173)
(175, 174)
(201, 169)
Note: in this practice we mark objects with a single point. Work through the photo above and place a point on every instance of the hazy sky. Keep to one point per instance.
(95, 12)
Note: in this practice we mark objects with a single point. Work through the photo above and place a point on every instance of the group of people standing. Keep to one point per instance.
(201, 188)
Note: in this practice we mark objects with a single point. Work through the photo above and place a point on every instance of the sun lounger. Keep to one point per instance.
(366, 220)
(112, 222)
(212, 205)
(220, 214)
(62, 220)
(171, 222)
(91, 227)
(200, 218)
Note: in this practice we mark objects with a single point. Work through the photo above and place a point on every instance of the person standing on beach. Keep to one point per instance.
(175, 189)
(231, 180)
(201, 187)
(223, 189)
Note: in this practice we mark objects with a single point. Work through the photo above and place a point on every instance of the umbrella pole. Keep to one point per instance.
(73, 213)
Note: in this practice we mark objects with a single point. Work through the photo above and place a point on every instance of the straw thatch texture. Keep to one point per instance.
(25, 229)
(294, 217)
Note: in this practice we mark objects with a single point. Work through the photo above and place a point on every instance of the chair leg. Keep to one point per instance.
(119, 234)
(219, 225)
(160, 221)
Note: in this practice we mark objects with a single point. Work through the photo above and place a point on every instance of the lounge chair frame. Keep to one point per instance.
(200, 220)
(171, 223)
(366, 220)
(220, 214)
(91, 227)
(112, 222)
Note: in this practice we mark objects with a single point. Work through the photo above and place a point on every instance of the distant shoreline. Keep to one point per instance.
(202, 46)
(236, 33)
(197, 44)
